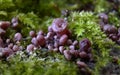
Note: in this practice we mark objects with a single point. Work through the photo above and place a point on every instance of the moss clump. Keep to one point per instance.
(43, 64)
(114, 19)
(38, 14)
(85, 25)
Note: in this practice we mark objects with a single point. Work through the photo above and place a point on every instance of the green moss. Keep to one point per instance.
(85, 25)
(42, 64)
(102, 6)
(114, 19)
(38, 15)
